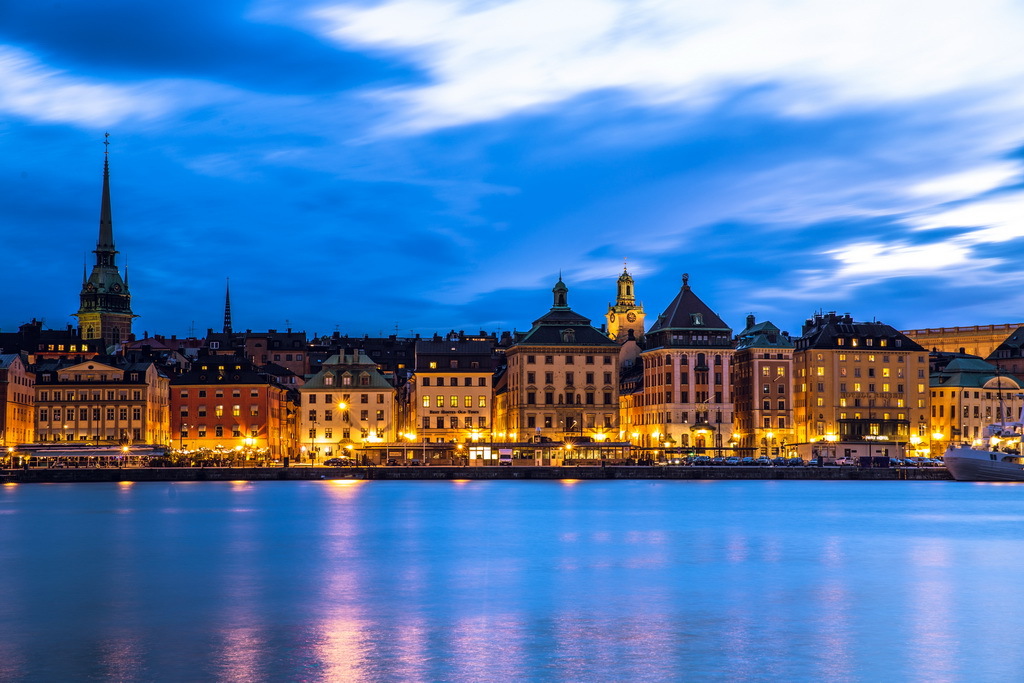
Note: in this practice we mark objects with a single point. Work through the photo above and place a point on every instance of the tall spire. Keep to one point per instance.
(227, 307)
(105, 244)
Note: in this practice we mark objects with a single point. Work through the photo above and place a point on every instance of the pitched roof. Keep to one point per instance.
(561, 326)
(688, 312)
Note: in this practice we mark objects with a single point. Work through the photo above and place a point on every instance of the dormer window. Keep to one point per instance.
(329, 380)
(696, 319)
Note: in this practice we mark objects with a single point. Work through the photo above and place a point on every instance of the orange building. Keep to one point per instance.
(17, 401)
(224, 403)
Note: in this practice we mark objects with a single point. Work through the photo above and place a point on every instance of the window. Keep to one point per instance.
(219, 411)
(380, 415)
(453, 401)
(218, 430)
(549, 360)
(531, 359)
(312, 398)
(440, 381)
(481, 402)
(467, 401)
(426, 401)
(364, 415)
(531, 378)
(426, 381)
(439, 401)
(236, 410)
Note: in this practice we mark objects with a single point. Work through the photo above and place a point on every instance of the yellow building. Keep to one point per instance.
(115, 401)
(345, 407)
(861, 389)
(968, 395)
(561, 381)
(17, 401)
(977, 340)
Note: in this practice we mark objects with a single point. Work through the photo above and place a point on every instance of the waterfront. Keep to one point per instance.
(496, 580)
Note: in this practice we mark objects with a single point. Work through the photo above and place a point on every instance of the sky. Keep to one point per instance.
(401, 166)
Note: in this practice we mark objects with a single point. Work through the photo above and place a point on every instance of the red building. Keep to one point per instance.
(224, 403)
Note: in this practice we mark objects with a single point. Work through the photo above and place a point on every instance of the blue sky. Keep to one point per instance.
(425, 165)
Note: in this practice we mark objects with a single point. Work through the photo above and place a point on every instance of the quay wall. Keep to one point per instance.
(143, 474)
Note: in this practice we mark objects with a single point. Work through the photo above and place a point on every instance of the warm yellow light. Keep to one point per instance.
(124, 449)
(635, 435)
(411, 436)
(831, 438)
(655, 435)
(512, 435)
(568, 446)
(937, 436)
(349, 447)
(475, 435)
(600, 436)
(459, 447)
(915, 439)
(770, 435)
(342, 406)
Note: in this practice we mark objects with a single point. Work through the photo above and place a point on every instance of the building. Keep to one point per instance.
(977, 340)
(105, 308)
(103, 401)
(968, 395)
(448, 399)
(225, 403)
(561, 379)
(287, 349)
(1008, 356)
(762, 382)
(40, 344)
(17, 401)
(345, 408)
(686, 395)
(626, 316)
(861, 389)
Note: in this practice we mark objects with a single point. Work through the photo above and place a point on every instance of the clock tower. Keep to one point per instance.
(105, 310)
(626, 313)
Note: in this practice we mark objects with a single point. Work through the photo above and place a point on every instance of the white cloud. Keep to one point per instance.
(494, 59)
(995, 219)
(968, 183)
(34, 91)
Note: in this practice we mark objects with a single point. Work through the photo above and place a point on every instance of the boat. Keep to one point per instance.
(998, 457)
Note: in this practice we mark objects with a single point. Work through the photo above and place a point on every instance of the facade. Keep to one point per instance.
(861, 388)
(561, 379)
(40, 344)
(762, 381)
(105, 310)
(225, 403)
(104, 401)
(17, 401)
(967, 395)
(287, 349)
(686, 395)
(449, 398)
(626, 316)
(977, 340)
(347, 406)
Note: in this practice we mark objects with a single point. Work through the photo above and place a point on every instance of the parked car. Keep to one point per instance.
(813, 462)
(337, 462)
(732, 461)
(763, 462)
(747, 461)
(780, 461)
(702, 461)
(795, 462)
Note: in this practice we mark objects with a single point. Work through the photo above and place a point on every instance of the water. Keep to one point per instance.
(475, 581)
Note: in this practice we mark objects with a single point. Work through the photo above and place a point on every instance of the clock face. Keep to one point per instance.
(116, 288)
(631, 317)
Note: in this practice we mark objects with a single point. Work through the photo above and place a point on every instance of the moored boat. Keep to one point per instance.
(998, 457)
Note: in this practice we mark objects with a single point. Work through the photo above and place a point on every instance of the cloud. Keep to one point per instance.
(968, 183)
(33, 91)
(490, 60)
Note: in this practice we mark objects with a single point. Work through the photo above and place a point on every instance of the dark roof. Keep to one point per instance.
(561, 326)
(824, 330)
(688, 312)
(763, 335)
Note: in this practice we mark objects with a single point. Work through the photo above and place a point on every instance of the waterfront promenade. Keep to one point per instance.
(141, 474)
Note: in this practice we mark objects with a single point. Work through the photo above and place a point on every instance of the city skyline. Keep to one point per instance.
(418, 166)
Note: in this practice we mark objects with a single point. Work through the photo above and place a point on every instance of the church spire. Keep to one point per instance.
(227, 307)
(105, 250)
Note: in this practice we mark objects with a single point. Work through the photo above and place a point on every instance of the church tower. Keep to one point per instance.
(625, 314)
(105, 310)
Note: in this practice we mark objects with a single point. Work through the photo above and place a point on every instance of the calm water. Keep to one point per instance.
(432, 581)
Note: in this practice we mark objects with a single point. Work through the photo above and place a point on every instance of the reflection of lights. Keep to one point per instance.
(570, 482)
(461, 481)
(125, 484)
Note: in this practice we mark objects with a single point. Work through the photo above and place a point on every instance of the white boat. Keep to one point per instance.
(999, 458)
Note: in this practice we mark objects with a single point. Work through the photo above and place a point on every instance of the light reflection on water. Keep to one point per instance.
(424, 581)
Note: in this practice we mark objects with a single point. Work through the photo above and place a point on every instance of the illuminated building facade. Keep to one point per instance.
(449, 398)
(968, 395)
(762, 381)
(977, 340)
(105, 402)
(686, 396)
(347, 405)
(17, 400)
(225, 403)
(861, 388)
(561, 379)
